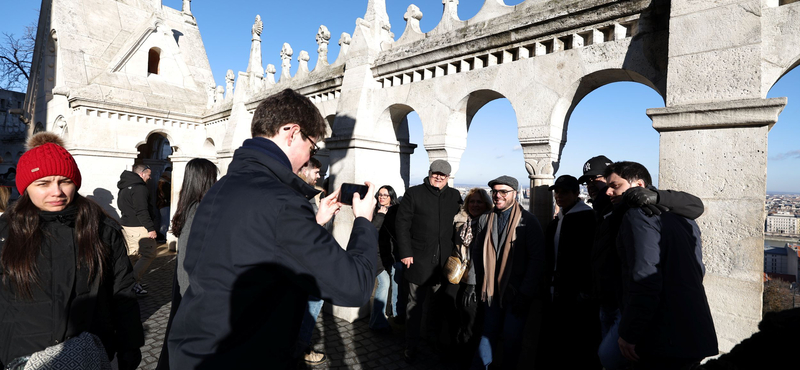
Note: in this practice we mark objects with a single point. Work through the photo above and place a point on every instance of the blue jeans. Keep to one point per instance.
(501, 321)
(377, 319)
(307, 327)
(610, 356)
(399, 299)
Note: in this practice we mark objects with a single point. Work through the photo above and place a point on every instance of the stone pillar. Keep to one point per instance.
(178, 173)
(718, 152)
(541, 162)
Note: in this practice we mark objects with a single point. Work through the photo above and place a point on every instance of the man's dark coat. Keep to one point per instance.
(665, 311)
(133, 201)
(424, 227)
(255, 254)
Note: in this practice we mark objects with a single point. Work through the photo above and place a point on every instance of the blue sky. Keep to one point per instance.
(597, 121)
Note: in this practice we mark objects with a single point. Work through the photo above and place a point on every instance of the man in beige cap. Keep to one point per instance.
(424, 229)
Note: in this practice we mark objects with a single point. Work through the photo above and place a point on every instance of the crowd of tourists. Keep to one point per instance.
(614, 284)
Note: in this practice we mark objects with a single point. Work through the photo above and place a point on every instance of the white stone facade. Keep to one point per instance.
(12, 129)
(713, 62)
(783, 224)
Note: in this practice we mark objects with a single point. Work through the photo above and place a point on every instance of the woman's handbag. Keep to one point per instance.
(454, 269)
(85, 351)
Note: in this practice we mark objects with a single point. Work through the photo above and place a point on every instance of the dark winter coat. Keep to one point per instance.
(527, 261)
(64, 302)
(605, 261)
(387, 239)
(255, 254)
(572, 277)
(665, 311)
(424, 228)
(133, 201)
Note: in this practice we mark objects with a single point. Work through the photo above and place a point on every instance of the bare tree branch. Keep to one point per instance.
(16, 55)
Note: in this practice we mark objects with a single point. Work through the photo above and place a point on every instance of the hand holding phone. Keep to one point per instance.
(364, 203)
(347, 190)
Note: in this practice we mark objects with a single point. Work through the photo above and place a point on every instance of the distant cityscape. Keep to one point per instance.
(782, 237)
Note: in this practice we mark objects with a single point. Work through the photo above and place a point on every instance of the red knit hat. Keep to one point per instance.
(46, 156)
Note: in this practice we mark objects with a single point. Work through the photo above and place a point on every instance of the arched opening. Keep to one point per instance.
(611, 120)
(209, 149)
(38, 128)
(155, 153)
(153, 60)
(783, 197)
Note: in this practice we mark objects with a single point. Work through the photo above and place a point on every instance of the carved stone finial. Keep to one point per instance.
(229, 78)
(210, 94)
(413, 13)
(302, 69)
(303, 57)
(258, 27)
(286, 61)
(271, 73)
(187, 7)
(345, 39)
(323, 38)
(219, 94)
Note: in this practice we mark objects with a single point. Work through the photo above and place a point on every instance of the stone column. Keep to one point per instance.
(178, 172)
(541, 162)
(718, 152)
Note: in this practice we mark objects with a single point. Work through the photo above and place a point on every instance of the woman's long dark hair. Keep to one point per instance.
(200, 175)
(392, 197)
(25, 238)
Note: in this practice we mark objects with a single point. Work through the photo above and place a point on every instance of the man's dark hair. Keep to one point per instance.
(287, 107)
(630, 171)
(139, 168)
(314, 163)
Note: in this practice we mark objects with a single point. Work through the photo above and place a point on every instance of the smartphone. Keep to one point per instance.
(346, 194)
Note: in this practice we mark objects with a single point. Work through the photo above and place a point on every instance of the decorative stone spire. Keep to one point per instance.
(344, 43)
(302, 69)
(412, 32)
(229, 78)
(450, 15)
(323, 38)
(219, 94)
(187, 7)
(286, 61)
(271, 73)
(254, 66)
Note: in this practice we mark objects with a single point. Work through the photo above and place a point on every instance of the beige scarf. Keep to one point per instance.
(490, 256)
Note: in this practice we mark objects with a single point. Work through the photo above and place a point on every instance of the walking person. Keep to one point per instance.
(133, 201)
(386, 199)
(66, 278)
(198, 178)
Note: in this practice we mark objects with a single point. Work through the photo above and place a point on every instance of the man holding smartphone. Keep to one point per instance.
(256, 250)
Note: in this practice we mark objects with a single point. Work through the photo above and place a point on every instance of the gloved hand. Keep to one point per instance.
(645, 198)
(468, 297)
(521, 306)
(129, 359)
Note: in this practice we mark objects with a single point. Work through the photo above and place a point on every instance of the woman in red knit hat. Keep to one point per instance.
(65, 293)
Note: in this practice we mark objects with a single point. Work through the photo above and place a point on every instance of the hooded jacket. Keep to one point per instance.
(424, 227)
(65, 303)
(255, 253)
(133, 201)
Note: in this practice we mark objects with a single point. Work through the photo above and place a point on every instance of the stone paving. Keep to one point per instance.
(348, 345)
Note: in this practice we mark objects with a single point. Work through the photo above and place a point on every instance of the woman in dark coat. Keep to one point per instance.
(66, 277)
(200, 175)
(387, 198)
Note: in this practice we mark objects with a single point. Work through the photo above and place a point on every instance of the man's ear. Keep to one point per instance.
(640, 183)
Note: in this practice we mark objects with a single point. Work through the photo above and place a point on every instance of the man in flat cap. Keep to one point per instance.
(509, 257)
(424, 228)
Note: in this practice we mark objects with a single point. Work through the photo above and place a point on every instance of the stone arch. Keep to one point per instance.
(329, 119)
(785, 71)
(473, 102)
(393, 123)
(164, 133)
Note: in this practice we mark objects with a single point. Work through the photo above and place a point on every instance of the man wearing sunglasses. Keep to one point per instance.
(256, 251)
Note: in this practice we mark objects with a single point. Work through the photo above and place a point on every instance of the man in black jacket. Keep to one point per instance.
(606, 275)
(424, 227)
(666, 322)
(256, 250)
(133, 201)
(572, 313)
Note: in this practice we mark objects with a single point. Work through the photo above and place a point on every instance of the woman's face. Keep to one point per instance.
(51, 193)
(383, 197)
(475, 206)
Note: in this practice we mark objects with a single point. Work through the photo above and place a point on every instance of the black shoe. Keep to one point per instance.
(410, 355)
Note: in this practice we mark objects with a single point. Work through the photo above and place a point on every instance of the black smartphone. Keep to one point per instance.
(346, 194)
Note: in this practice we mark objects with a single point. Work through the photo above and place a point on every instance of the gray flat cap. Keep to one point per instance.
(505, 180)
(441, 166)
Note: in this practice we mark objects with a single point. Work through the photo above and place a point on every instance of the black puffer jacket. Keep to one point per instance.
(65, 303)
(424, 229)
(133, 201)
